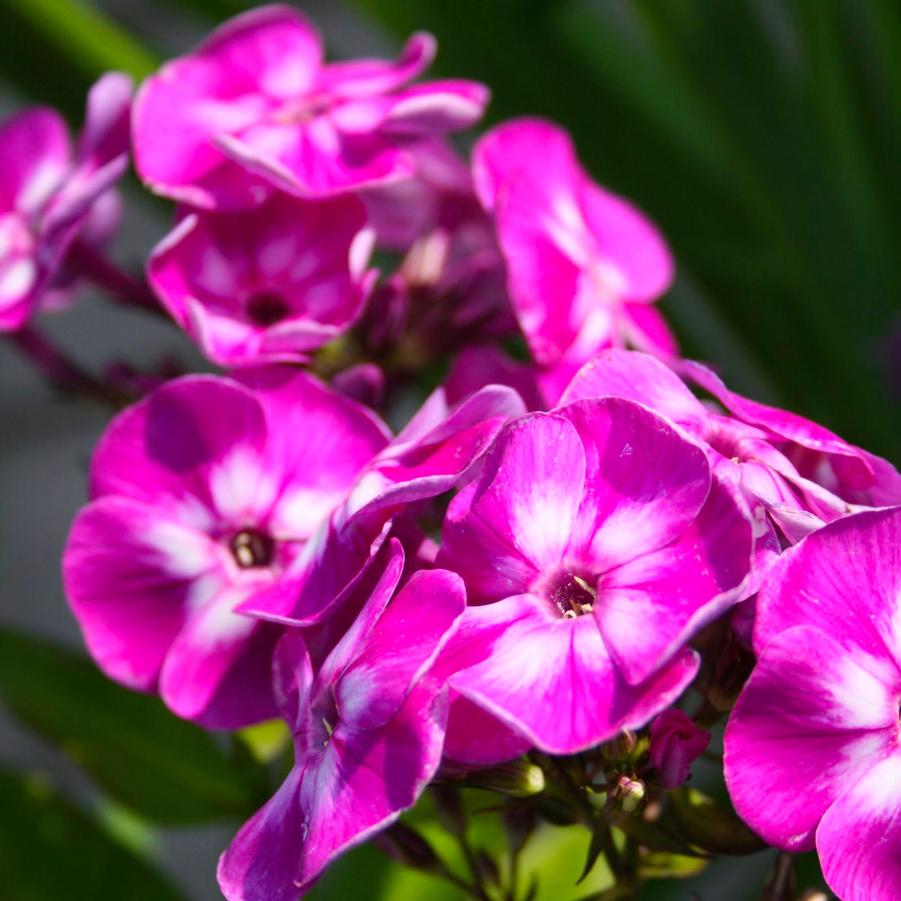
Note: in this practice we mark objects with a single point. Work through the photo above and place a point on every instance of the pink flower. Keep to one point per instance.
(812, 749)
(368, 730)
(594, 544)
(255, 108)
(799, 472)
(676, 742)
(440, 448)
(51, 197)
(204, 494)
(266, 284)
(583, 265)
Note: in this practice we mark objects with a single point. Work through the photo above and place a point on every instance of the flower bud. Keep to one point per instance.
(675, 744)
(630, 793)
(519, 779)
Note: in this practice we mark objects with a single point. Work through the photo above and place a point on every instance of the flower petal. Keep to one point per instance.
(645, 482)
(859, 838)
(520, 518)
(811, 720)
(650, 606)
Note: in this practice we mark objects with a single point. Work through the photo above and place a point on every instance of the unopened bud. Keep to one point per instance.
(519, 779)
(630, 793)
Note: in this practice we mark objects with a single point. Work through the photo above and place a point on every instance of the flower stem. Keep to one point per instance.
(60, 370)
(120, 285)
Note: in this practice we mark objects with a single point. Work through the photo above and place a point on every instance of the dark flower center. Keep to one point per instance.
(252, 548)
(267, 308)
(572, 594)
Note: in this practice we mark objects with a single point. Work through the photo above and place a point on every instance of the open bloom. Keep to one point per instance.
(368, 730)
(813, 745)
(439, 448)
(205, 493)
(799, 472)
(583, 265)
(254, 108)
(593, 545)
(266, 284)
(52, 196)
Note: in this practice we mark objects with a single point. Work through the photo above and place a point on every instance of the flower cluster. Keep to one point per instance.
(572, 529)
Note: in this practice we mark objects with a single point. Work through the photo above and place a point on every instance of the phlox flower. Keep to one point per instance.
(254, 107)
(441, 447)
(267, 284)
(798, 471)
(52, 195)
(368, 730)
(813, 744)
(583, 265)
(203, 494)
(593, 545)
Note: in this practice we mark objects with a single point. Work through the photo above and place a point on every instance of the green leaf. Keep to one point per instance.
(50, 849)
(69, 45)
(165, 769)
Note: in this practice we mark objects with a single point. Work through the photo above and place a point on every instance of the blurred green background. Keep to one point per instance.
(764, 137)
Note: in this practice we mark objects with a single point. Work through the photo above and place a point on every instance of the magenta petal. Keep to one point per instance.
(845, 579)
(128, 593)
(639, 377)
(34, 156)
(520, 519)
(859, 838)
(507, 153)
(224, 86)
(852, 465)
(315, 475)
(551, 679)
(475, 737)
(363, 781)
(316, 160)
(170, 440)
(437, 106)
(391, 568)
(261, 863)
(106, 133)
(645, 482)
(399, 648)
(810, 721)
(371, 77)
(219, 668)
(650, 606)
(269, 283)
(625, 236)
(646, 329)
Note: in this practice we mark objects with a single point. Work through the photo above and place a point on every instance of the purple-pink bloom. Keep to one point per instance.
(52, 196)
(368, 729)
(594, 544)
(204, 494)
(268, 284)
(676, 742)
(440, 448)
(799, 472)
(254, 108)
(812, 751)
(583, 265)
